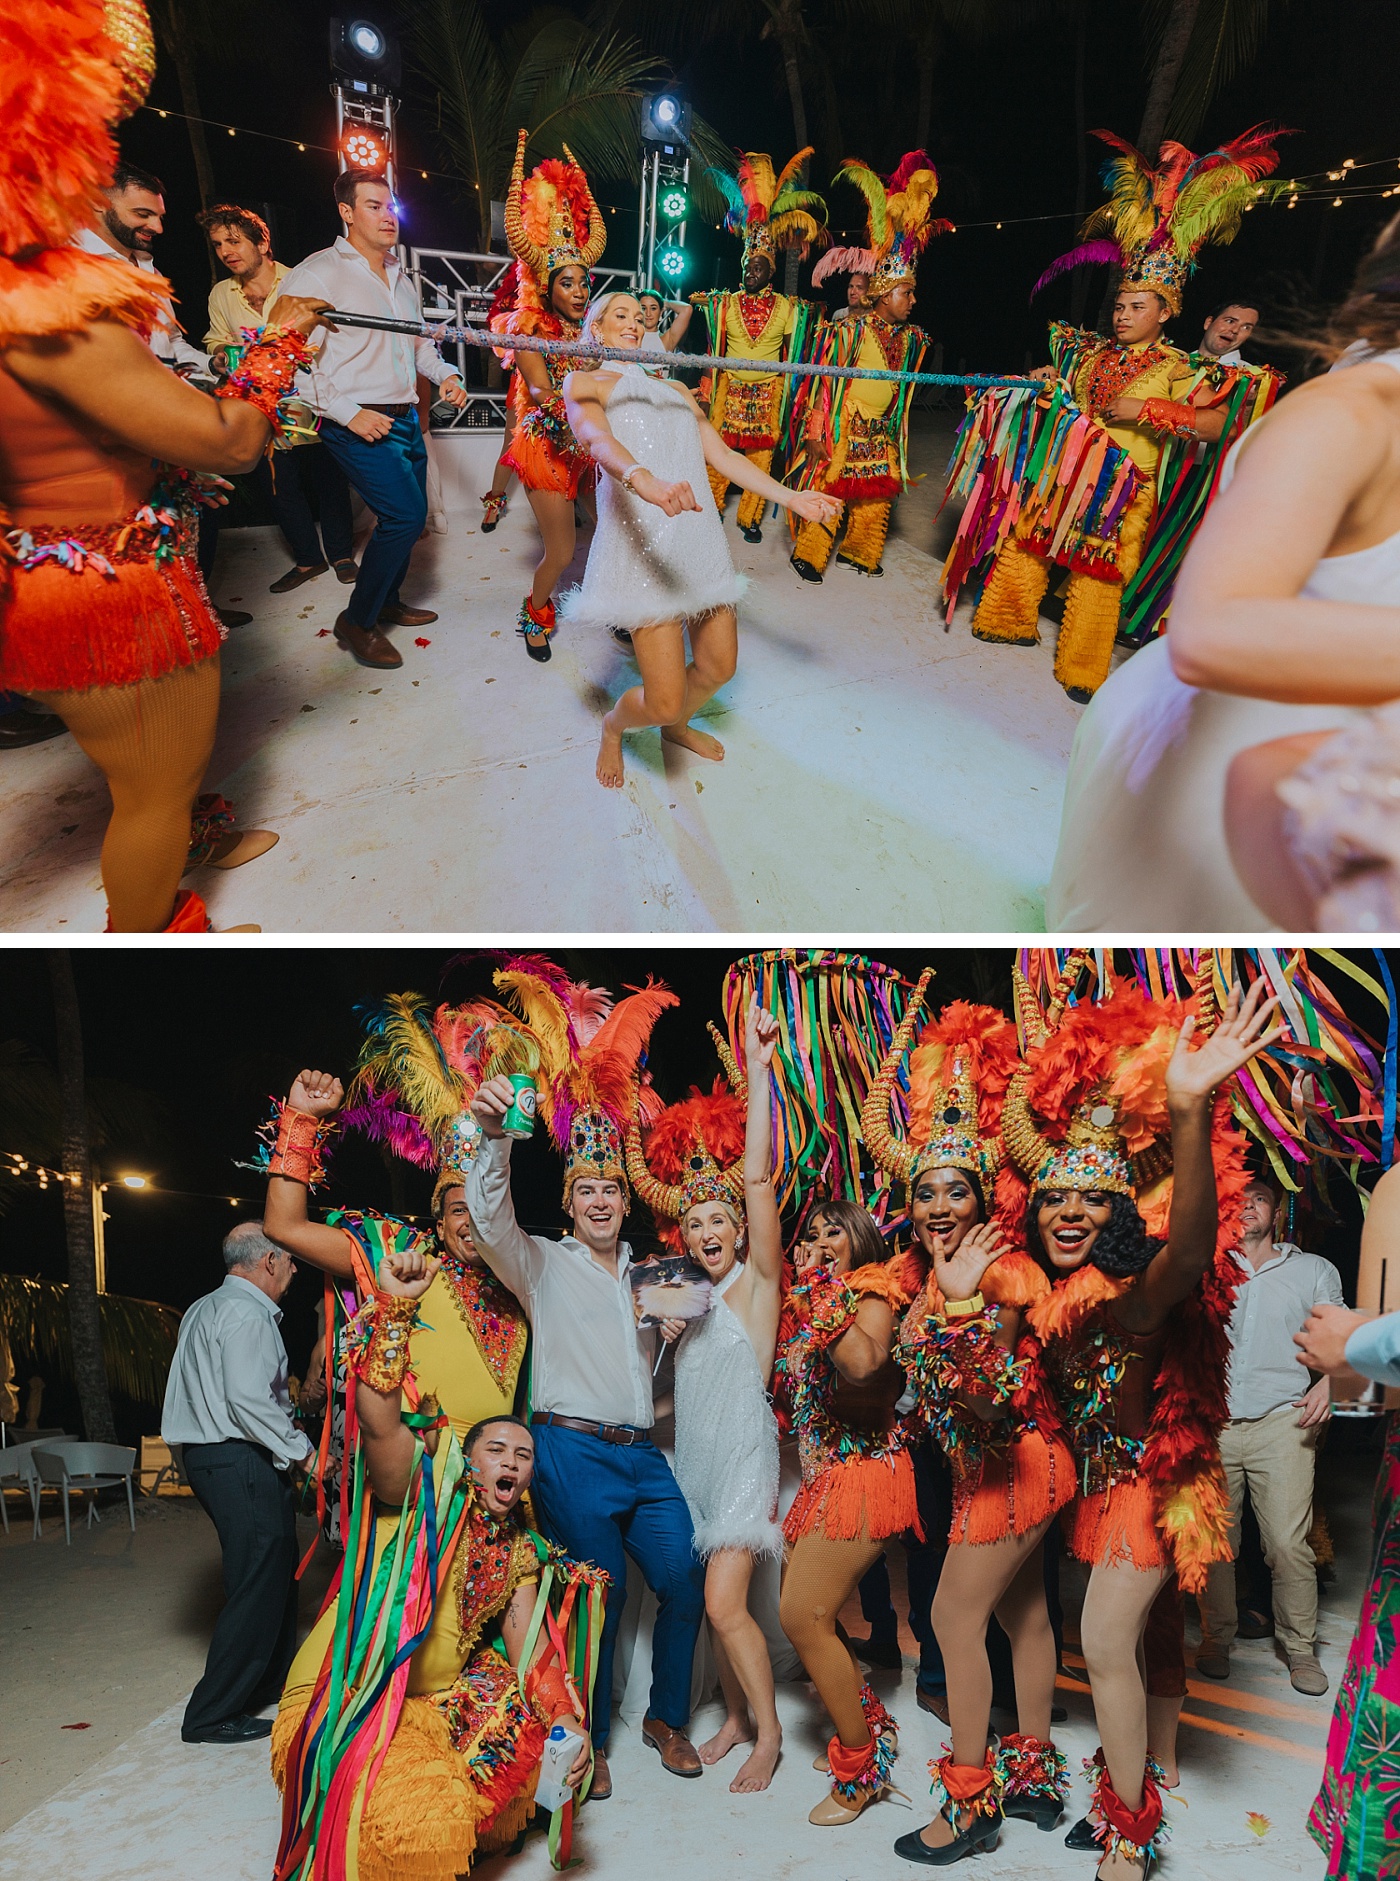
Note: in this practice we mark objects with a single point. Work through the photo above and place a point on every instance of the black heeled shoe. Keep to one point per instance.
(750, 532)
(1044, 1810)
(1082, 1835)
(980, 1834)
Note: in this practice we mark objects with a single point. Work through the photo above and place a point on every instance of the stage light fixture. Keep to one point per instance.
(674, 203)
(666, 119)
(671, 262)
(362, 150)
(365, 54)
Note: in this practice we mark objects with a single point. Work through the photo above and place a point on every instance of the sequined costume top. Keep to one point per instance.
(726, 1434)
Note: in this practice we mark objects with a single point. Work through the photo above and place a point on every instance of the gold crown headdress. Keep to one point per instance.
(959, 1070)
(591, 1052)
(552, 221)
(771, 212)
(693, 1150)
(899, 226)
(1158, 217)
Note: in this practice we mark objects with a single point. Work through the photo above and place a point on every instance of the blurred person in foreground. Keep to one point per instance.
(1353, 1818)
(104, 617)
(300, 465)
(227, 1405)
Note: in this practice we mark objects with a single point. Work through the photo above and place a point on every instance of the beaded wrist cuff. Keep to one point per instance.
(297, 1150)
(1164, 414)
(552, 1693)
(377, 1348)
(267, 372)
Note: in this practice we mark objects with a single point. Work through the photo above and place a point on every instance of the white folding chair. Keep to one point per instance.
(17, 1467)
(86, 1467)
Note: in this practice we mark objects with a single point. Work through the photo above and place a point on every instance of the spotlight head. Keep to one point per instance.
(362, 51)
(674, 203)
(666, 119)
(670, 262)
(363, 150)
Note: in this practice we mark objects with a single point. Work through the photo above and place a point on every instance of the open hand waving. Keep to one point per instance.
(958, 1275)
(1192, 1076)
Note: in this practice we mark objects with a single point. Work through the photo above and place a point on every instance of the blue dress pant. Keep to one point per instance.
(392, 477)
(603, 1502)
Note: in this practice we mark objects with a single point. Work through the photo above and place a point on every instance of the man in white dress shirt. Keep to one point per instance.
(227, 1404)
(602, 1488)
(1269, 1444)
(1227, 328)
(365, 386)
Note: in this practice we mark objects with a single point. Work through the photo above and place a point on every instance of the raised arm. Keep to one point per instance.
(1193, 1077)
(760, 1199)
(674, 334)
(511, 1254)
(863, 1350)
(317, 1094)
(389, 1444)
(107, 375)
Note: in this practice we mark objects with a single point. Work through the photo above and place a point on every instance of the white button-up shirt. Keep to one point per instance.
(356, 366)
(228, 1378)
(587, 1358)
(1273, 1302)
(167, 342)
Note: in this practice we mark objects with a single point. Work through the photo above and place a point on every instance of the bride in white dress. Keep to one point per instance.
(659, 562)
(1285, 625)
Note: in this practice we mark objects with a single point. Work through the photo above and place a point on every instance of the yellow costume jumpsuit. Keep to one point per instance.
(1010, 605)
(746, 407)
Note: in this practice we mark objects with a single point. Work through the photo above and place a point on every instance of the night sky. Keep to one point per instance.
(1002, 137)
(206, 1039)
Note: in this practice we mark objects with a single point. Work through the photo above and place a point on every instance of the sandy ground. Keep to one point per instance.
(111, 1634)
(882, 773)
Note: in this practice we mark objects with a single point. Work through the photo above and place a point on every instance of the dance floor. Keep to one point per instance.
(881, 773)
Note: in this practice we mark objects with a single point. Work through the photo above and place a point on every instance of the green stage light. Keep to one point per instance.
(675, 204)
(671, 263)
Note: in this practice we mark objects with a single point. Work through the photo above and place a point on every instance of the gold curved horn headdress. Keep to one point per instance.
(884, 1146)
(592, 246)
(524, 250)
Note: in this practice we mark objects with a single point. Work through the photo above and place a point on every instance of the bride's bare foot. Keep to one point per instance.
(609, 771)
(694, 740)
(733, 1731)
(757, 1770)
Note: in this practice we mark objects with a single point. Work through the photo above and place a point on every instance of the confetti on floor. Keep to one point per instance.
(1260, 1825)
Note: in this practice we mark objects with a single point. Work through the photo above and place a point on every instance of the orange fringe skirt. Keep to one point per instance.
(1118, 1524)
(422, 1821)
(66, 632)
(858, 1499)
(1018, 1490)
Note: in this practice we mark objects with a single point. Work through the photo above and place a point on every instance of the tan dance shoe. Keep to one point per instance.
(833, 1810)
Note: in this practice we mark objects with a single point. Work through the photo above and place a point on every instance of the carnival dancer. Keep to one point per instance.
(104, 618)
(602, 1487)
(1123, 1133)
(982, 1394)
(857, 1491)
(1164, 413)
(750, 409)
(705, 1169)
(654, 569)
(418, 1073)
(556, 233)
(853, 433)
(413, 1722)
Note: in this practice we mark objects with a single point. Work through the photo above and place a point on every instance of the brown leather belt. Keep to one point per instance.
(610, 1433)
(390, 411)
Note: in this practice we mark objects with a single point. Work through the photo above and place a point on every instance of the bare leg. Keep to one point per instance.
(1163, 1716)
(738, 1725)
(659, 651)
(714, 643)
(821, 1577)
(741, 1647)
(974, 1583)
(555, 515)
(500, 481)
(1254, 829)
(1115, 1612)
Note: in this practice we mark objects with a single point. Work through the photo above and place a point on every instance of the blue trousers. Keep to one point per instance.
(392, 477)
(603, 1502)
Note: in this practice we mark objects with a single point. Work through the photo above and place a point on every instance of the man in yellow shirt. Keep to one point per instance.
(749, 409)
(302, 467)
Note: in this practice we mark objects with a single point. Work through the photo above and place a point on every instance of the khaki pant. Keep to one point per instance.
(1275, 1460)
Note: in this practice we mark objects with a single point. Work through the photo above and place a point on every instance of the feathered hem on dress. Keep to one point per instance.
(576, 609)
(763, 1540)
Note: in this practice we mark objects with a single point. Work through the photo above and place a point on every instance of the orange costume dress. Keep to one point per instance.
(1013, 1470)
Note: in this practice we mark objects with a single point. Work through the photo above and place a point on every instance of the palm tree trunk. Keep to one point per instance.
(787, 32)
(1079, 277)
(924, 54)
(1171, 55)
(176, 44)
(84, 1323)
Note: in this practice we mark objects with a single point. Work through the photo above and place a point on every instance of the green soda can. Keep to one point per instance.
(519, 1120)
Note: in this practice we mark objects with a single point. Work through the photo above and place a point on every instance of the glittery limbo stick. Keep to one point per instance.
(630, 355)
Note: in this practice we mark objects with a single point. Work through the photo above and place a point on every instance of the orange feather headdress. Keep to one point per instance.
(692, 1151)
(552, 222)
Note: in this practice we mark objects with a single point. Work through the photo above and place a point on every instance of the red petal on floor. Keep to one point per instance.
(75, 1727)
(321, 632)
(421, 642)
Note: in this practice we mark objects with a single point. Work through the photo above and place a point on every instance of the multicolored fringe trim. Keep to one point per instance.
(967, 1786)
(954, 1359)
(1031, 1766)
(213, 819)
(266, 373)
(267, 1158)
(865, 1772)
(1139, 1834)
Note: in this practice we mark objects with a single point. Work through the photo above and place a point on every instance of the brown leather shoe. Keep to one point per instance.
(678, 1754)
(938, 1706)
(402, 616)
(368, 645)
(347, 569)
(600, 1789)
(295, 576)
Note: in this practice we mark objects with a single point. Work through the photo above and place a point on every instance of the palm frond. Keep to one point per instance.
(1225, 39)
(138, 1336)
(457, 74)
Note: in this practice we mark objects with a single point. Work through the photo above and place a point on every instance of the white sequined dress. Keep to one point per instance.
(645, 566)
(726, 1435)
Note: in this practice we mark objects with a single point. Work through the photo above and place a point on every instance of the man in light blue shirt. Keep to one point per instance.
(227, 1405)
